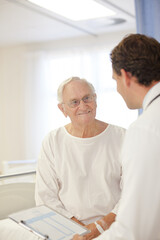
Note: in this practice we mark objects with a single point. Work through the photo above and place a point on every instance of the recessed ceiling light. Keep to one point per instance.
(75, 10)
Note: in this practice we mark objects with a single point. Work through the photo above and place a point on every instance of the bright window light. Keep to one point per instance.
(75, 10)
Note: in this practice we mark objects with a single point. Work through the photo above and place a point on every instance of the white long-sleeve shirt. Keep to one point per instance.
(80, 177)
(138, 217)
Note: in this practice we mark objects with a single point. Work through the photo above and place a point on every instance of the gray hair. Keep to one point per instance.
(65, 82)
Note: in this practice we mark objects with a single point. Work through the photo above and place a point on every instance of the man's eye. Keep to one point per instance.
(86, 98)
(74, 102)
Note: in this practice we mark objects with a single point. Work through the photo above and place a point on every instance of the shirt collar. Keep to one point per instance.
(152, 93)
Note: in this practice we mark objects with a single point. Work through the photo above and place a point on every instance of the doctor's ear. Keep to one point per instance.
(62, 108)
(126, 77)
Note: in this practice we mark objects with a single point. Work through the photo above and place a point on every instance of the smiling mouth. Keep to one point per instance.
(84, 113)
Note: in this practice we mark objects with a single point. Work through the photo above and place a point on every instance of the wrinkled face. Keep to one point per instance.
(85, 112)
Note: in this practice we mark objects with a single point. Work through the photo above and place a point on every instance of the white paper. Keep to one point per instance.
(44, 221)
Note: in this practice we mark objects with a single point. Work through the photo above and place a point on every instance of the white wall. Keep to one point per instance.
(24, 95)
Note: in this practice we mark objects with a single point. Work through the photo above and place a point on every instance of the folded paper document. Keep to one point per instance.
(48, 224)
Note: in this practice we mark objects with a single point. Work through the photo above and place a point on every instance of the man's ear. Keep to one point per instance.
(126, 77)
(95, 98)
(61, 107)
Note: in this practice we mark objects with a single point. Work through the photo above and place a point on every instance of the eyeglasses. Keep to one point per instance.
(86, 99)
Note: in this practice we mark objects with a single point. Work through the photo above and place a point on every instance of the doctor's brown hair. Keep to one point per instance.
(139, 55)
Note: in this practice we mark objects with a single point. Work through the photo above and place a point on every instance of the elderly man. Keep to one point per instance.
(136, 69)
(79, 168)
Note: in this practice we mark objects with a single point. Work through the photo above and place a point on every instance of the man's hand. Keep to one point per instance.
(76, 220)
(105, 223)
(93, 233)
(78, 237)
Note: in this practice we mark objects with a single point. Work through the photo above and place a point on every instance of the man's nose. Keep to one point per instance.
(82, 103)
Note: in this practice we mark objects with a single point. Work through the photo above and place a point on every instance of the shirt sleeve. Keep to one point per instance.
(115, 209)
(47, 183)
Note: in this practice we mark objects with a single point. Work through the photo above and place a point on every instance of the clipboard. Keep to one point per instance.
(48, 224)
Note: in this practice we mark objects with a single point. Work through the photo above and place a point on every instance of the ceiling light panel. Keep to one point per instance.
(75, 10)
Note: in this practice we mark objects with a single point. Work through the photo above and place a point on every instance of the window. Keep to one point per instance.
(29, 103)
